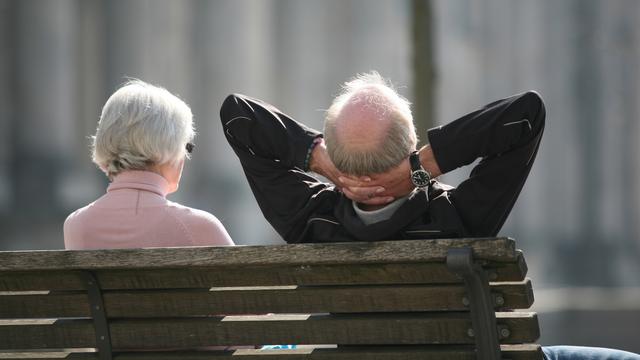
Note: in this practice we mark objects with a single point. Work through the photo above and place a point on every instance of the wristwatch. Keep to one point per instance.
(419, 176)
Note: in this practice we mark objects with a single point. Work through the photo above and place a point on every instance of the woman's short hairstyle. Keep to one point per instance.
(141, 125)
(373, 91)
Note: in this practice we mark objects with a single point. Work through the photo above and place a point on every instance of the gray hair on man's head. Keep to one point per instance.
(141, 125)
(372, 92)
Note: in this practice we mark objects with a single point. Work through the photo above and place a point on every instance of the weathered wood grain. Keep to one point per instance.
(40, 280)
(46, 334)
(399, 273)
(292, 299)
(498, 249)
(513, 352)
(523, 327)
(321, 299)
(44, 304)
(52, 355)
(369, 329)
(384, 329)
(516, 295)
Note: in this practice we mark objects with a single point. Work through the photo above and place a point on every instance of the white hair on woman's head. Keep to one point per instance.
(372, 93)
(141, 125)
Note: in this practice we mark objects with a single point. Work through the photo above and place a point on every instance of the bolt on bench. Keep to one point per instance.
(419, 299)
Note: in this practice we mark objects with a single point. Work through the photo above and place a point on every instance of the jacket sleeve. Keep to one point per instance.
(272, 148)
(506, 136)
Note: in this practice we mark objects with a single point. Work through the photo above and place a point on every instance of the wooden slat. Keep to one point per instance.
(329, 299)
(40, 280)
(382, 329)
(278, 276)
(46, 334)
(44, 355)
(516, 295)
(319, 299)
(413, 273)
(513, 352)
(498, 249)
(44, 304)
(523, 326)
(51, 355)
(319, 329)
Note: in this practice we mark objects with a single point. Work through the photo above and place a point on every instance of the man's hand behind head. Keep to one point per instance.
(376, 189)
(358, 189)
(396, 182)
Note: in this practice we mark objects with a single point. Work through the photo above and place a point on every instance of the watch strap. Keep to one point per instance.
(414, 161)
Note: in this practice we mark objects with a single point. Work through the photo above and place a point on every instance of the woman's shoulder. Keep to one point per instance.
(76, 224)
(190, 213)
(204, 227)
(76, 216)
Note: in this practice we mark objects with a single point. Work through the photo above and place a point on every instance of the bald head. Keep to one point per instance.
(369, 128)
(363, 120)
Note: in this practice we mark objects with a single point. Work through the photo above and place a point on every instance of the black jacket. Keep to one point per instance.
(272, 148)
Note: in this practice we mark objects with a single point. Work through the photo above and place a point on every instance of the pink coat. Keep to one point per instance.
(135, 213)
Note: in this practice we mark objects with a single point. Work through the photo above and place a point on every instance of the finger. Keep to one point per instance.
(359, 182)
(352, 182)
(346, 181)
(353, 196)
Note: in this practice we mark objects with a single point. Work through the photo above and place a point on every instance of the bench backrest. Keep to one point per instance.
(391, 300)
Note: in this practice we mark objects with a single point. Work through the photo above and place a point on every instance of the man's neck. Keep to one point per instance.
(367, 207)
(370, 214)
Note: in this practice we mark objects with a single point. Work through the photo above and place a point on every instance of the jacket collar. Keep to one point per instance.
(418, 204)
(411, 209)
(140, 180)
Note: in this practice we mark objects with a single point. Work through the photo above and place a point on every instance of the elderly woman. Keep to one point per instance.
(143, 138)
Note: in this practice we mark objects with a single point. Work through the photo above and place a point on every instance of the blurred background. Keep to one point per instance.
(578, 218)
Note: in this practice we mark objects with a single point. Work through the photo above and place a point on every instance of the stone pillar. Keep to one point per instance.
(44, 114)
(6, 109)
(82, 182)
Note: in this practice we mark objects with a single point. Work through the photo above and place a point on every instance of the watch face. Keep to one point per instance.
(420, 178)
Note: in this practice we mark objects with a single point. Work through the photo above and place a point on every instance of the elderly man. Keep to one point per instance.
(369, 136)
(384, 188)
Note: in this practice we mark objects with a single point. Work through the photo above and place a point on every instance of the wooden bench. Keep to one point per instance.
(384, 300)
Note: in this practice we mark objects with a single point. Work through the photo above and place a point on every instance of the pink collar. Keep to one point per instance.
(140, 180)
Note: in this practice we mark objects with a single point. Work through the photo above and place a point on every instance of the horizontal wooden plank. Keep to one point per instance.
(37, 280)
(516, 295)
(45, 355)
(513, 352)
(46, 334)
(44, 304)
(301, 299)
(362, 274)
(260, 300)
(383, 329)
(498, 249)
(523, 327)
(51, 354)
(378, 329)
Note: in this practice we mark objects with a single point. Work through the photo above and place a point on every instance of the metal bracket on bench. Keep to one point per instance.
(483, 316)
(103, 338)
